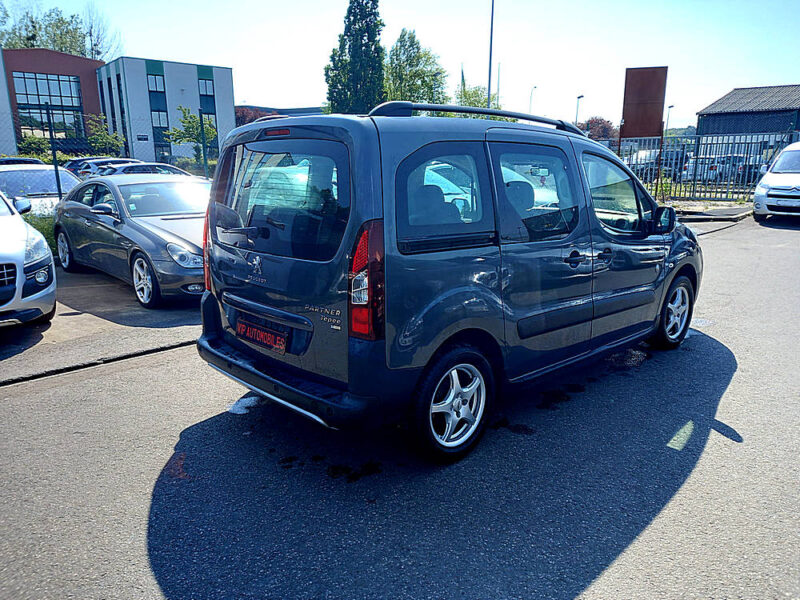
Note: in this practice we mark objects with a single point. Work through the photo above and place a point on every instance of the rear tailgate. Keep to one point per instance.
(282, 235)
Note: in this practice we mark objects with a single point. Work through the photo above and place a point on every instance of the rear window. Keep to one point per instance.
(289, 198)
(158, 199)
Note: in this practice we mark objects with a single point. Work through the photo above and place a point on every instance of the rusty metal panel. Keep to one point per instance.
(643, 106)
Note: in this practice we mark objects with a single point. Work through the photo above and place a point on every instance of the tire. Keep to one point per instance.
(65, 257)
(759, 218)
(145, 282)
(680, 297)
(443, 404)
(46, 317)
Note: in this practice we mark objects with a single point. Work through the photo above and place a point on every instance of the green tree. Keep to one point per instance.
(413, 73)
(475, 95)
(189, 132)
(53, 30)
(33, 144)
(100, 140)
(355, 73)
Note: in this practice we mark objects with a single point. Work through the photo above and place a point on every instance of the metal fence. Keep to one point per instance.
(58, 135)
(701, 167)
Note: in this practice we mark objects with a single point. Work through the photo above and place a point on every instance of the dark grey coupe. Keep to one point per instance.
(144, 229)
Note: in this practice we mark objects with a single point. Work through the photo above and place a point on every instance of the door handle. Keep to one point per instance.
(574, 259)
(606, 255)
(87, 222)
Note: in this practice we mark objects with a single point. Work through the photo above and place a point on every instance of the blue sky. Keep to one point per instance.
(564, 48)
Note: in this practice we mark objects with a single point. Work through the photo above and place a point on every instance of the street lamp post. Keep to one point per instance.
(577, 106)
(530, 101)
(666, 127)
(489, 85)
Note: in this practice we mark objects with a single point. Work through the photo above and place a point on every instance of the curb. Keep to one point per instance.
(706, 217)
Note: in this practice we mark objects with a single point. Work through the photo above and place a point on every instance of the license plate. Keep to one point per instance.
(261, 335)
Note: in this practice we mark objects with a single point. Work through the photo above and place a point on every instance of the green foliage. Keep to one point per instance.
(475, 95)
(680, 131)
(193, 166)
(355, 73)
(52, 29)
(190, 130)
(100, 140)
(33, 144)
(413, 73)
(47, 157)
(44, 225)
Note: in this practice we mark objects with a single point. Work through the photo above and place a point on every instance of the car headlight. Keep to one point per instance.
(762, 189)
(184, 257)
(35, 246)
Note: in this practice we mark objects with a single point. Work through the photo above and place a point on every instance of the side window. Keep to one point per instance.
(84, 195)
(105, 196)
(537, 194)
(613, 194)
(442, 189)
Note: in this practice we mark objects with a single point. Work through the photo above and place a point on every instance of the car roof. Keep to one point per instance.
(146, 164)
(119, 159)
(29, 167)
(794, 146)
(144, 178)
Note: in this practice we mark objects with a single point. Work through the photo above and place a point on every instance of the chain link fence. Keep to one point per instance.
(59, 137)
(701, 167)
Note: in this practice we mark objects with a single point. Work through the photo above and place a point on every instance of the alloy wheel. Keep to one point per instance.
(142, 280)
(457, 405)
(677, 313)
(62, 245)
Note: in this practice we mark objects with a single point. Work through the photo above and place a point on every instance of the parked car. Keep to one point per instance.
(19, 160)
(778, 192)
(143, 229)
(345, 282)
(27, 274)
(75, 163)
(36, 183)
(91, 167)
(705, 169)
(140, 168)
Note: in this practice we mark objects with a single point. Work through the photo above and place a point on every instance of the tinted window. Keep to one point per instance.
(293, 196)
(613, 194)
(165, 198)
(84, 195)
(442, 189)
(105, 196)
(537, 196)
(788, 162)
(35, 182)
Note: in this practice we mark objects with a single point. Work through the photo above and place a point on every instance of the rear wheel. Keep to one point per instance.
(65, 257)
(452, 402)
(676, 314)
(145, 283)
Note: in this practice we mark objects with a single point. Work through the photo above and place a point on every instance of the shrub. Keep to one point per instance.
(33, 145)
(44, 225)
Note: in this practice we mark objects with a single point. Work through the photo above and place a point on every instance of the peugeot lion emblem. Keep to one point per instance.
(256, 264)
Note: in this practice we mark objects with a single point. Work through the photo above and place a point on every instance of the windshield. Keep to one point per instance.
(788, 162)
(155, 199)
(35, 182)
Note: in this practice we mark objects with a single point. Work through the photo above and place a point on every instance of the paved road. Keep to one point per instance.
(97, 319)
(645, 475)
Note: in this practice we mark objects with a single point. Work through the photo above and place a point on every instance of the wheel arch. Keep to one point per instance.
(480, 339)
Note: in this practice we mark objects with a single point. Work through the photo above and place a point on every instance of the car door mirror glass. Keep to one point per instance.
(664, 219)
(22, 205)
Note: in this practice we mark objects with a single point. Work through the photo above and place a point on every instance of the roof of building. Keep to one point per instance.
(174, 62)
(756, 99)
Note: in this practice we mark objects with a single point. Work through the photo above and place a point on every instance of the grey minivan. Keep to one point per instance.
(394, 266)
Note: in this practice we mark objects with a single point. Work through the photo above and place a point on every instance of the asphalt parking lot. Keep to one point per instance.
(644, 475)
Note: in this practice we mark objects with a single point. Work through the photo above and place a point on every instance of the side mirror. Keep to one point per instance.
(763, 169)
(22, 205)
(104, 209)
(664, 220)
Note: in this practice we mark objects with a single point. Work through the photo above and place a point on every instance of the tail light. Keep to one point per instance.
(206, 270)
(712, 168)
(740, 169)
(685, 167)
(366, 304)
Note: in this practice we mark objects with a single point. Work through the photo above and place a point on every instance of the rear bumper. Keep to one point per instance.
(326, 405)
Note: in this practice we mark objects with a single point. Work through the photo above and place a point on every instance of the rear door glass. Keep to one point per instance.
(288, 198)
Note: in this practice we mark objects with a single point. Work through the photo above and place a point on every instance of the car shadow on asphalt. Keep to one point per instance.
(781, 222)
(105, 297)
(571, 470)
(18, 338)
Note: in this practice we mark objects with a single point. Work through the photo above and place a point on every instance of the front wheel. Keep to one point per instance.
(452, 402)
(65, 256)
(145, 283)
(676, 315)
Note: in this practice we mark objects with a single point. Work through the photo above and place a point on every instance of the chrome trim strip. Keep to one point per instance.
(302, 411)
(7, 322)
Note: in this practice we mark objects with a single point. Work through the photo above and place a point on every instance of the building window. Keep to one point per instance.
(155, 83)
(41, 89)
(159, 118)
(210, 118)
(206, 87)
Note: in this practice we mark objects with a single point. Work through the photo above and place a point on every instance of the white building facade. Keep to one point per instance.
(140, 98)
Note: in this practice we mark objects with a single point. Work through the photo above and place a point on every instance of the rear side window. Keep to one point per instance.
(613, 194)
(442, 190)
(289, 198)
(537, 195)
